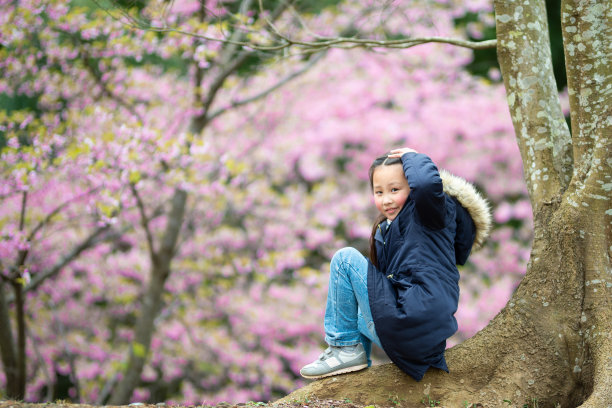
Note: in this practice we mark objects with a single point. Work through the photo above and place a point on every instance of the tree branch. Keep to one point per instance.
(326, 42)
(24, 200)
(268, 91)
(228, 67)
(24, 253)
(590, 104)
(234, 38)
(152, 302)
(93, 239)
(144, 221)
(173, 227)
(541, 131)
(56, 210)
(216, 85)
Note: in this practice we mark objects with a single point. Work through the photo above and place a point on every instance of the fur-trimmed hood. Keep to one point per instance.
(471, 200)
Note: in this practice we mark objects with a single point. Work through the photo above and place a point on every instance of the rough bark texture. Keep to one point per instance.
(587, 32)
(552, 343)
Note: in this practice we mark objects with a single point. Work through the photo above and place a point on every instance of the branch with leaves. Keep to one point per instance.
(279, 41)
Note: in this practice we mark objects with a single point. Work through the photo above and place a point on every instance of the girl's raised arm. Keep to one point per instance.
(425, 184)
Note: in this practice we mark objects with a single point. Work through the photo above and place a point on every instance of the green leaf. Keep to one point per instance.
(134, 176)
(139, 350)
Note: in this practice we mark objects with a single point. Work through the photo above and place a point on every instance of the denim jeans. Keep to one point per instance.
(348, 319)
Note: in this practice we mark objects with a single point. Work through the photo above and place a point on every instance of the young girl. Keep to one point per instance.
(405, 296)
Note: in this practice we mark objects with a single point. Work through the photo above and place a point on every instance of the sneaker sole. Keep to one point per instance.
(341, 371)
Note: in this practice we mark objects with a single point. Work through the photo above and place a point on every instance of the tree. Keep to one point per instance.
(551, 344)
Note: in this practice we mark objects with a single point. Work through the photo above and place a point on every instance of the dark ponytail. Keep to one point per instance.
(373, 256)
(379, 161)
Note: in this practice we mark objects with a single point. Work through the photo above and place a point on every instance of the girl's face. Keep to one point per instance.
(390, 189)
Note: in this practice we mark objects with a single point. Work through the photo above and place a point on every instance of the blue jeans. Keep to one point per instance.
(348, 319)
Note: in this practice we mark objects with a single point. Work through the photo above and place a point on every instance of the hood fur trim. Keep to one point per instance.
(473, 201)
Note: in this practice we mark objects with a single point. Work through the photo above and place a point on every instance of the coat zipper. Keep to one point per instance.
(385, 247)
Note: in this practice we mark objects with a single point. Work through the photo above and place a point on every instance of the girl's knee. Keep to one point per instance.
(346, 256)
(345, 253)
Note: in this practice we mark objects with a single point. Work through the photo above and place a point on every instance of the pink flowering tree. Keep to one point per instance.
(172, 197)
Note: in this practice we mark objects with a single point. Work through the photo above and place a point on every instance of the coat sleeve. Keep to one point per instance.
(426, 189)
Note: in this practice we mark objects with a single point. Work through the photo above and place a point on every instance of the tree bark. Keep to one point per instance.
(587, 31)
(21, 338)
(552, 342)
(7, 347)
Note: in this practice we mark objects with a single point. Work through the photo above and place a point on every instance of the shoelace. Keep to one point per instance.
(326, 353)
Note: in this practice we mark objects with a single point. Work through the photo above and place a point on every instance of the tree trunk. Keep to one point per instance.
(7, 348)
(152, 303)
(21, 338)
(551, 344)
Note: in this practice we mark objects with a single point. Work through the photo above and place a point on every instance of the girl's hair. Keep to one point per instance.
(383, 160)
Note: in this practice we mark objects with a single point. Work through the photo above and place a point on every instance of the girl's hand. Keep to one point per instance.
(397, 153)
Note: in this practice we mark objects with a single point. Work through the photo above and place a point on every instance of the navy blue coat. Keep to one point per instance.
(414, 292)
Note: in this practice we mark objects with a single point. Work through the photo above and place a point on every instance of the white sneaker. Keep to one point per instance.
(336, 360)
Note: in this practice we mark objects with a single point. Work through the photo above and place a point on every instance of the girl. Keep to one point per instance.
(405, 296)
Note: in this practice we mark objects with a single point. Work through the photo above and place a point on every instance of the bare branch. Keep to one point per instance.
(144, 220)
(23, 254)
(220, 79)
(269, 22)
(342, 42)
(56, 210)
(228, 67)
(285, 42)
(298, 17)
(332, 42)
(24, 200)
(93, 239)
(268, 91)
